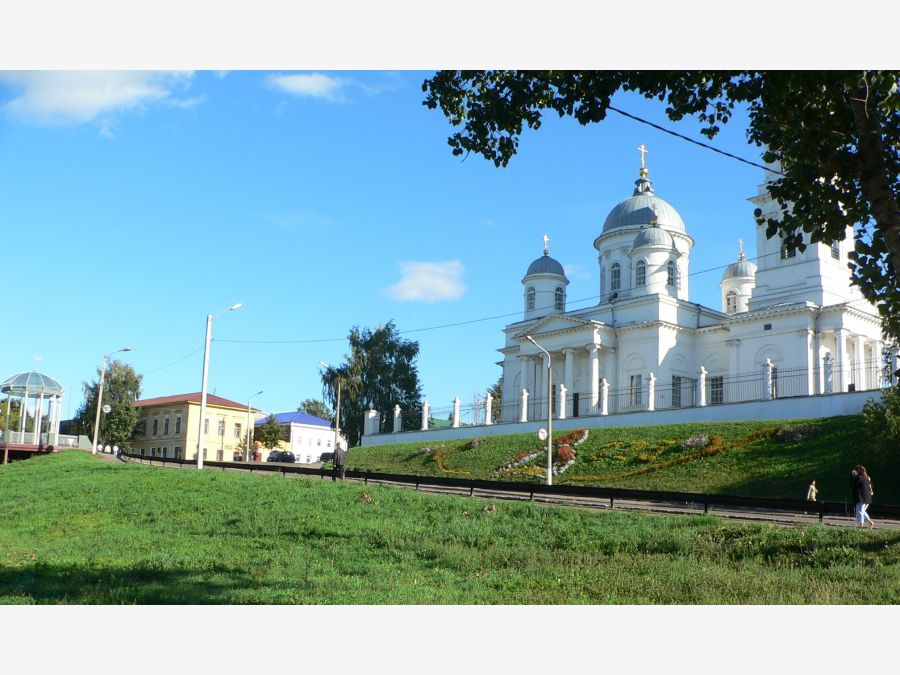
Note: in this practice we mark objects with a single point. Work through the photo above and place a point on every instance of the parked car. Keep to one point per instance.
(279, 456)
(326, 457)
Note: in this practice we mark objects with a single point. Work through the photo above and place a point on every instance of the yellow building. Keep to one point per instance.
(170, 425)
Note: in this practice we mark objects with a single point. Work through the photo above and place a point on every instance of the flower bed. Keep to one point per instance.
(570, 441)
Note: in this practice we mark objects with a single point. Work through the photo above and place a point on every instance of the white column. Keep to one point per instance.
(545, 364)
(524, 368)
(523, 408)
(397, 419)
(806, 337)
(701, 383)
(456, 412)
(604, 397)
(875, 364)
(767, 380)
(561, 402)
(843, 361)
(859, 379)
(488, 408)
(371, 422)
(425, 407)
(828, 374)
(731, 392)
(595, 377)
(651, 392)
(38, 418)
(23, 410)
(568, 381)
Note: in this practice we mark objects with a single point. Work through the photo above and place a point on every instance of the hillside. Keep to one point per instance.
(750, 459)
(77, 529)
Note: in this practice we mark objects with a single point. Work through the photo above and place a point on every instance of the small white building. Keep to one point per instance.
(307, 436)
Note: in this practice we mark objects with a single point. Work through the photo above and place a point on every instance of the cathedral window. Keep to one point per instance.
(716, 390)
(559, 299)
(635, 391)
(731, 302)
(836, 250)
(529, 299)
(787, 251)
(672, 274)
(615, 277)
(640, 273)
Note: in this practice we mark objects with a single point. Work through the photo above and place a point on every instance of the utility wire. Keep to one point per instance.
(469, 321)
(691, 140)
(186, 356)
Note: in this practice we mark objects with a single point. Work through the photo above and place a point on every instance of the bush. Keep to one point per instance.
(882, 420)
(564, 454)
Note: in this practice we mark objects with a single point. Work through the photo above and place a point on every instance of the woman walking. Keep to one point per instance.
(862, 494)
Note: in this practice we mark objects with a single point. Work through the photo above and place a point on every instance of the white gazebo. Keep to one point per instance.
(48, 395)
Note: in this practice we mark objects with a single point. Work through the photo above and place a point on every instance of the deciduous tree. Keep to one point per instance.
(317, 408)
(121, 388)
(269, 433)
(835, 135)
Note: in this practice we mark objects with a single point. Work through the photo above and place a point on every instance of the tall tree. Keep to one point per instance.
(379, 373)
(836, 136)
(121, 388)
(317, 408)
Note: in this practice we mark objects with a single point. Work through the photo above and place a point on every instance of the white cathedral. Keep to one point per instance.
(790, 326)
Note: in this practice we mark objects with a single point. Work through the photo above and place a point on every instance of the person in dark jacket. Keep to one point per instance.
(338, 462)
(862, 494)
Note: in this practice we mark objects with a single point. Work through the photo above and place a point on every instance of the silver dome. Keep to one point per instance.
(741, 268)
(653, 236)
(545, 265)
(33, 382)
(641, 208)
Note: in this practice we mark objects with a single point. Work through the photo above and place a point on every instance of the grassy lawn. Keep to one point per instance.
(77, 529)
(651, 458)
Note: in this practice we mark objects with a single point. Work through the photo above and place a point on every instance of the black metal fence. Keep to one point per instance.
(694, 500)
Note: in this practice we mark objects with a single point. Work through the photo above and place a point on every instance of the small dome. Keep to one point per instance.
(641, 208)
(33, 382)
(653, 236)
(545, 265)
(741, 268)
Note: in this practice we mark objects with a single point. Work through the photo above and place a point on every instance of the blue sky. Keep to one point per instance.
(134, 203)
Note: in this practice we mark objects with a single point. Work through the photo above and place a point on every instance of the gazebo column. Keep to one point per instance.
(23, 411)
(38, 418)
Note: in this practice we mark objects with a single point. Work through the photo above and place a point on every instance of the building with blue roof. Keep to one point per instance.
(307, 436)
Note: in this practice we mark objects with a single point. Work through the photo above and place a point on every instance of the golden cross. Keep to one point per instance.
(546, 241)
(643, 153)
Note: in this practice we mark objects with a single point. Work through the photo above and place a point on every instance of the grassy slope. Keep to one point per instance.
(765, 467)
(78, 529)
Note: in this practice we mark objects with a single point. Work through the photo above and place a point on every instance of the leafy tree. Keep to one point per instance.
(497, 404)
(379, 373)
(14, 415)
(317, 408)
(836, 136)
(882, 420)
(269, 433)
(121, 388)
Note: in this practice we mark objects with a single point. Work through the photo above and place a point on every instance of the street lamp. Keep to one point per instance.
(100, 397)
(549, 412)
(337, 411)
(209, 319)
(249, 426)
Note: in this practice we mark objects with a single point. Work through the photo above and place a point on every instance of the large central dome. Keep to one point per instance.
(642, 208)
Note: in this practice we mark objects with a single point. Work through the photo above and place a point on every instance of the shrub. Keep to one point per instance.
(882, 420)
(564, 454)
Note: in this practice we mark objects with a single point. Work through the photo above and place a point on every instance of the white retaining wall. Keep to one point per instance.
(800, 407)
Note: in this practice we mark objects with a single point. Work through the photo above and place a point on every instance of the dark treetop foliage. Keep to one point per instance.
(317, 408)
(379, 373)
(836, 136)
(121, 388)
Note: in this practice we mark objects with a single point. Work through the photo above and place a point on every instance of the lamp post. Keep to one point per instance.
(549, 412)
(209, 319)
(337, 408)
(249, 426)
(100, 397)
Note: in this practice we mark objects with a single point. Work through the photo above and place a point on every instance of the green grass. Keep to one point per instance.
(77, 529)
(762, 468)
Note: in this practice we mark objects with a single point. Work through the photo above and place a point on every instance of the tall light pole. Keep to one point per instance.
(100, 397)
(337, 411)
(209, 319)
(249, 426)
(549, 411)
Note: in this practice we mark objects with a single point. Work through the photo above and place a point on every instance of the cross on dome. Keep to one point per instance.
(643, 150)
(741, 247)
(546, 241)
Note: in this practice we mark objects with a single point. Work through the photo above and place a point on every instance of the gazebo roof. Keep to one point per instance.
(33, 383)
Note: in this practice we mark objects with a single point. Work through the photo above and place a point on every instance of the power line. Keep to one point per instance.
(471, 321)
(694, 141)
(186, 356)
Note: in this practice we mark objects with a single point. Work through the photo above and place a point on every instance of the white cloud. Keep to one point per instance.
(576, 271)
(76, 97)
(429, 282)
(314, 85)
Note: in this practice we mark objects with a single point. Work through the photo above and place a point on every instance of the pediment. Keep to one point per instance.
(557, 323)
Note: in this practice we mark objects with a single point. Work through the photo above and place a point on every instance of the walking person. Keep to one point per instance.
(862, 495)
(338, 463)
(812, 492)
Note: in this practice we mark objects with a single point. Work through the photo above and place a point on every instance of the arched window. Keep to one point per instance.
(731, 302)
(787, 251)
(836, 250)
(672, 274)
(559, 299)
(529, 299)
(640, 273)
(615, 277)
